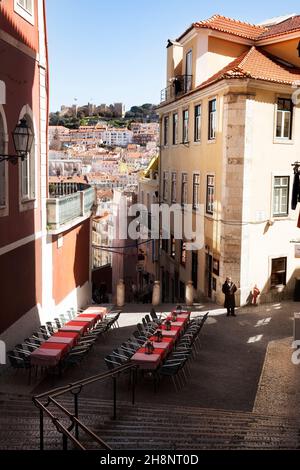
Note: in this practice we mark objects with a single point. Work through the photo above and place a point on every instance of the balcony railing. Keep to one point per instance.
(181, 84)
(68, 202)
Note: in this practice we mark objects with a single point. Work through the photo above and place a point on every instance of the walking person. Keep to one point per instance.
(229, 289)
(134, 293)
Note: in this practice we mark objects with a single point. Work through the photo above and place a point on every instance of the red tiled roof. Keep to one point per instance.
(259, 65)
(231, 26)
(288, 26)
(246, 30)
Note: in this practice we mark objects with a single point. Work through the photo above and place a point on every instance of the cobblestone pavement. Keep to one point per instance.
(225, 375)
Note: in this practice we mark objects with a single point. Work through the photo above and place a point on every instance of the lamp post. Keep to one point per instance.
(23, 140)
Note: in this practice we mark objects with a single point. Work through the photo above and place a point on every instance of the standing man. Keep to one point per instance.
(229, 289)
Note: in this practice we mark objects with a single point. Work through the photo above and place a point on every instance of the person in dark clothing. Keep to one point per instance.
(229, 289)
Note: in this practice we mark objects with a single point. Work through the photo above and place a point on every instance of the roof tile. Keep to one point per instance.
(259, 65)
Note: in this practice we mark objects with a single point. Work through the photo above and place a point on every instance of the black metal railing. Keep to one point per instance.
(43, 401)
(180, 85)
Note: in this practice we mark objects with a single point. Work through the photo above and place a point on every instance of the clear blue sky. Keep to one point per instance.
(107, 51)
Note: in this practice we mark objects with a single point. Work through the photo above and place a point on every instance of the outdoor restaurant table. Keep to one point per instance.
(84, 319)
(62, 340)
(49, 354)
(85, 325)
(148, 361)
(94, 309)
(67, 328)
(94, 316)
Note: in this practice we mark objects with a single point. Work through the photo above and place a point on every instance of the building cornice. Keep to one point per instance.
(6, 37)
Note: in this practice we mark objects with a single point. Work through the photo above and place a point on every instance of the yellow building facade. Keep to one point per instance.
(229, 121)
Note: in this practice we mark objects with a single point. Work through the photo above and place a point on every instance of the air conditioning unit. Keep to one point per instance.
(296, 326)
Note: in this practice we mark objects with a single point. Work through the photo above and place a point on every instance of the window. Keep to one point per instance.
(175, 128)
(28, 169)
(195, 269)
(281, 196)
(197, 130)
(284, 119)
(210, 194)
(25, 8)
(185, 126)
(196, 190)
(165, 186)
(2, 164)
(26, 4)
(278, 274)
(184, 188)
(173, 247)
(188, 71)
(212, 119)
(182, 253)
(166, 130)
(173, 187)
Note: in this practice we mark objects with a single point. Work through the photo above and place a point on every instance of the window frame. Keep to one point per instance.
(196, 185)
(185, 126)
(209, 202)
(165, 185)
(197, 123)
(26, 13)
(29, 201)
(278, 272)
(173, 186)
(175, 129)
(166, 131)
(212, 120)
(184, 185)
(283, 138)
(286, 213)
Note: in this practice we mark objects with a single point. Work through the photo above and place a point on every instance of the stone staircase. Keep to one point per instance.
(148, 427)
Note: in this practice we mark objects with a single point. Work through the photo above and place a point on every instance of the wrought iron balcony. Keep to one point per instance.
(67, 203)
(181, 84)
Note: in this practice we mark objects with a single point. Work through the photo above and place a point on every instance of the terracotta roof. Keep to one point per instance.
(259, 65)
(288, 26)
(231, 26)
(246, 30)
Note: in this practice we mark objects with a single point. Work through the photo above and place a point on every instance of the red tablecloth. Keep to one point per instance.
(62, 340)
(85, 325)
(67, 328)
(147, 361)
(173, 328)
(66, 334)
(165, 339)
(95, 309)
(49, 354)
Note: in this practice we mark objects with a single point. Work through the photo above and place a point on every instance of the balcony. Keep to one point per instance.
(181, 84)
(68, 205)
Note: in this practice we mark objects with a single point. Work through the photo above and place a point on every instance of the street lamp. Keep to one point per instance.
(23, 140)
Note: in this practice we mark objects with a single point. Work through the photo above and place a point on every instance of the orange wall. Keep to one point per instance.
(17, 26)
(71, 261)
(20, 90)
(20, 281)
(226, 48)
(287, 50)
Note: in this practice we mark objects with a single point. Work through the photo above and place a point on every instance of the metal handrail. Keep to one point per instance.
(76, 388)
